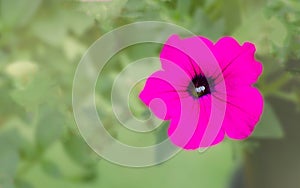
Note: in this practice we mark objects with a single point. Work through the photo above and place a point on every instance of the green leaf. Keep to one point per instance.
(40, 90)
(16, 12)
(9, 160)
(22, 184)
(50, 127)
(51, 30)
(269, 125)
(183, 6)
(10, 140)
(73, 49)
(205, 26)
(13, 140)
(79, 151)
(263, 32)
(9, 157)
(232, 14)
(5, 181)
(78, 23)
(51, 168)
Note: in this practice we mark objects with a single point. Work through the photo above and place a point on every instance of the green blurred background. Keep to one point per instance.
(41, 43)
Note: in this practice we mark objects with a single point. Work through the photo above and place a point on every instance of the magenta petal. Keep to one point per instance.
(168, 87)
(193, 55)
(173, 52)
(183, 127)
(244, 108)
(156, 88)
(237, 62)
(196, 119)
(179, 51)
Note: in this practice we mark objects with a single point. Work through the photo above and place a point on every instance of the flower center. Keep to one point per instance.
(200, 89)
(199, 86)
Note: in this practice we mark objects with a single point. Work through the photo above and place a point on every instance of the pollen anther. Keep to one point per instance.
(200, 89)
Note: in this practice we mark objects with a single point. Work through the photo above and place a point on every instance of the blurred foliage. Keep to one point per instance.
(41, 43)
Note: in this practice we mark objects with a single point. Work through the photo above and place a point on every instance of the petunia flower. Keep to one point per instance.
(205, 90)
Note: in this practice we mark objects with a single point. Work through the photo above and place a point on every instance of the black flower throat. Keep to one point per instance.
(200, 86)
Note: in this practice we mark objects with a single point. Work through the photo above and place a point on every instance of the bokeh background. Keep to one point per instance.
(41, 44)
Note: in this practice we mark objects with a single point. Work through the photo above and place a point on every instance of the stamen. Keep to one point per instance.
(200, 89)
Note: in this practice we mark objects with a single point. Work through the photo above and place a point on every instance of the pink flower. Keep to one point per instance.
(205, 90)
